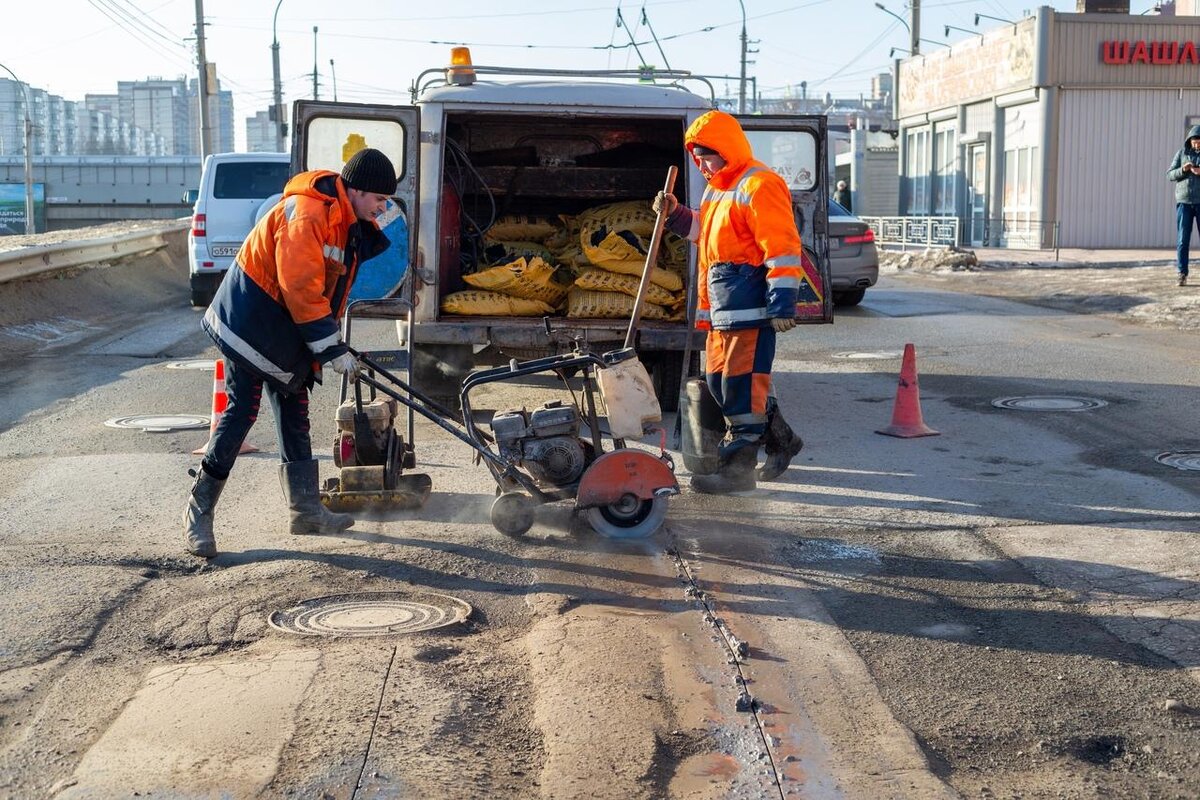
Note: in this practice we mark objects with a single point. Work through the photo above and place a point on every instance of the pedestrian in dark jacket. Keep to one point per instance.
(275, 321)
(842, 195)
(1185, 171)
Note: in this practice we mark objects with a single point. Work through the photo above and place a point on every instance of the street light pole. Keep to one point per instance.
(316, 96)
(742, 82)
(30, 226)
(333, 72)
(279, 143)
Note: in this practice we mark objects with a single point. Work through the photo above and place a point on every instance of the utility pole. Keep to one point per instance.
(914, 28)
(742, 81)
(30, 224)
(202, 84)
(316, 96)
(278, 105)
(333, 72)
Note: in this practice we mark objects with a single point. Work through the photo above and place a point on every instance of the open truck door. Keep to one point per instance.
(326, 135)
(797, 149)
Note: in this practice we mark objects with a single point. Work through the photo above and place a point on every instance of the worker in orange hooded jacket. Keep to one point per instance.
(751, 273)
(275, 321)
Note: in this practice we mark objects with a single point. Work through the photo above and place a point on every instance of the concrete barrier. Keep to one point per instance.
(32, 260)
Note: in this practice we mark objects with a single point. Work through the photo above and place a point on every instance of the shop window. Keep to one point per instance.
(945, 177)
(916, 173)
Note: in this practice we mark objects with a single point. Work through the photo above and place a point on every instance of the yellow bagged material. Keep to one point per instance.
(674, 253)
(586, 304)
(497, 252)
(518, 227)
(623, 252)
(631, 215)
(602, 280)
(478, 303)
(529, 279)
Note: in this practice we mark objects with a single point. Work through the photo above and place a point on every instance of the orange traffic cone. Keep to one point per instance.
(220, 402)
(906, 416)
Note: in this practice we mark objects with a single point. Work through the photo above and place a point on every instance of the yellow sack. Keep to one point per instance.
(529, 279)
(674, 252)
(601, 280)
(631, 215)
(518, 227)
(476, 303)
(623, 252)
(582, 303)
(497, 252)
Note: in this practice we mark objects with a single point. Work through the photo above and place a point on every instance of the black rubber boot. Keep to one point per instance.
(781, 443)
(303, 495)
(198, 518)
(736, 473)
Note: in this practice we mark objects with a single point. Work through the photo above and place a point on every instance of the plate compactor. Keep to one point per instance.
(555, 451)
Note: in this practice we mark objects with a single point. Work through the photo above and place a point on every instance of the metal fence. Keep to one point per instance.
(1016, 231)
(915, 231)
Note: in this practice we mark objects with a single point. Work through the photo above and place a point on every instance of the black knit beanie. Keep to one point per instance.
(369, 170)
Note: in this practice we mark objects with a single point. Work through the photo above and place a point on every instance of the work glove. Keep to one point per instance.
(347, 365)
(783, 325)
(664, 204)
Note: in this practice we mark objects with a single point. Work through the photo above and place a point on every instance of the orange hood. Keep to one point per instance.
(721, 132)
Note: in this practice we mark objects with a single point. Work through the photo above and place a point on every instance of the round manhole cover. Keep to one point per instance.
(204, 364)
(371, 614)
(1049, 403)
(1180, 459)
(159, 423)
(867, 356)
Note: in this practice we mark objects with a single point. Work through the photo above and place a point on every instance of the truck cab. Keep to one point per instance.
(546, 145)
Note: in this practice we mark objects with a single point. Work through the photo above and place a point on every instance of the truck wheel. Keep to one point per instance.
(849, 298)
(204, 287)
(666, 371)
(439, 369)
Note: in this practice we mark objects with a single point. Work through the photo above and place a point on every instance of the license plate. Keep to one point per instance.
(225, 249)
(835, 243)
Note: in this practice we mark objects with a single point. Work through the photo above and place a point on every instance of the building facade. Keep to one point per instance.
(1053, 130)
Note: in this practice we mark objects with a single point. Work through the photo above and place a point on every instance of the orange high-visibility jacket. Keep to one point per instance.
(280, 303)
(750, 254)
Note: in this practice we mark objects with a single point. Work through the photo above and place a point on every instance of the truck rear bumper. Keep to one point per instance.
(530, 332)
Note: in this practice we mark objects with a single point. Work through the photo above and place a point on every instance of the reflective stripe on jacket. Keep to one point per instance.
(279, 305)
(750, 254)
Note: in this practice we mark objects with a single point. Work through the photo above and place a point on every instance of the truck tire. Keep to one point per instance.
(439, 369)
(204, 287)
(666, 372)
(851, 297)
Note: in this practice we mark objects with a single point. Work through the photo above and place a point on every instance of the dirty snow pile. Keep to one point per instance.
(930, 260)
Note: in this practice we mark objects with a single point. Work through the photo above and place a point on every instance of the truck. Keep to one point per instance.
(482, 143)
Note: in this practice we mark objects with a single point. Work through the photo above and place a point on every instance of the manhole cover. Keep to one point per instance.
(1049, 403)
(370, 614)
(205, 364)
(877, 354)
(159, 423)
(1180, 459)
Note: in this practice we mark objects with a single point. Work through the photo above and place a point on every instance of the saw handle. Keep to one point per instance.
(651, 257)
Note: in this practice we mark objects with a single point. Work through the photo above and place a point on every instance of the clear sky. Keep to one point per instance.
(72, 47)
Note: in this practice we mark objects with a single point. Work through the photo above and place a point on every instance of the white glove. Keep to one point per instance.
(347, 365)
(783, 325)
(664, 204)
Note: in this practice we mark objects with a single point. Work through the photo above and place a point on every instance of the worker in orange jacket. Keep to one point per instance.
(751, 274)
(275, 321)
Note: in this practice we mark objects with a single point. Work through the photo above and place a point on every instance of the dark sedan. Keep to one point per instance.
(853, 258)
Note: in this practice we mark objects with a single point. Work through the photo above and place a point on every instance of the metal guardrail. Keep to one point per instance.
(25, 262)
(914, 231)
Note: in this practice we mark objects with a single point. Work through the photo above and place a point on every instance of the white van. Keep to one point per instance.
(232, 188)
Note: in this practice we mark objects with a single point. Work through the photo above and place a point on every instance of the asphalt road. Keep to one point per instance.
(1011, 608)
